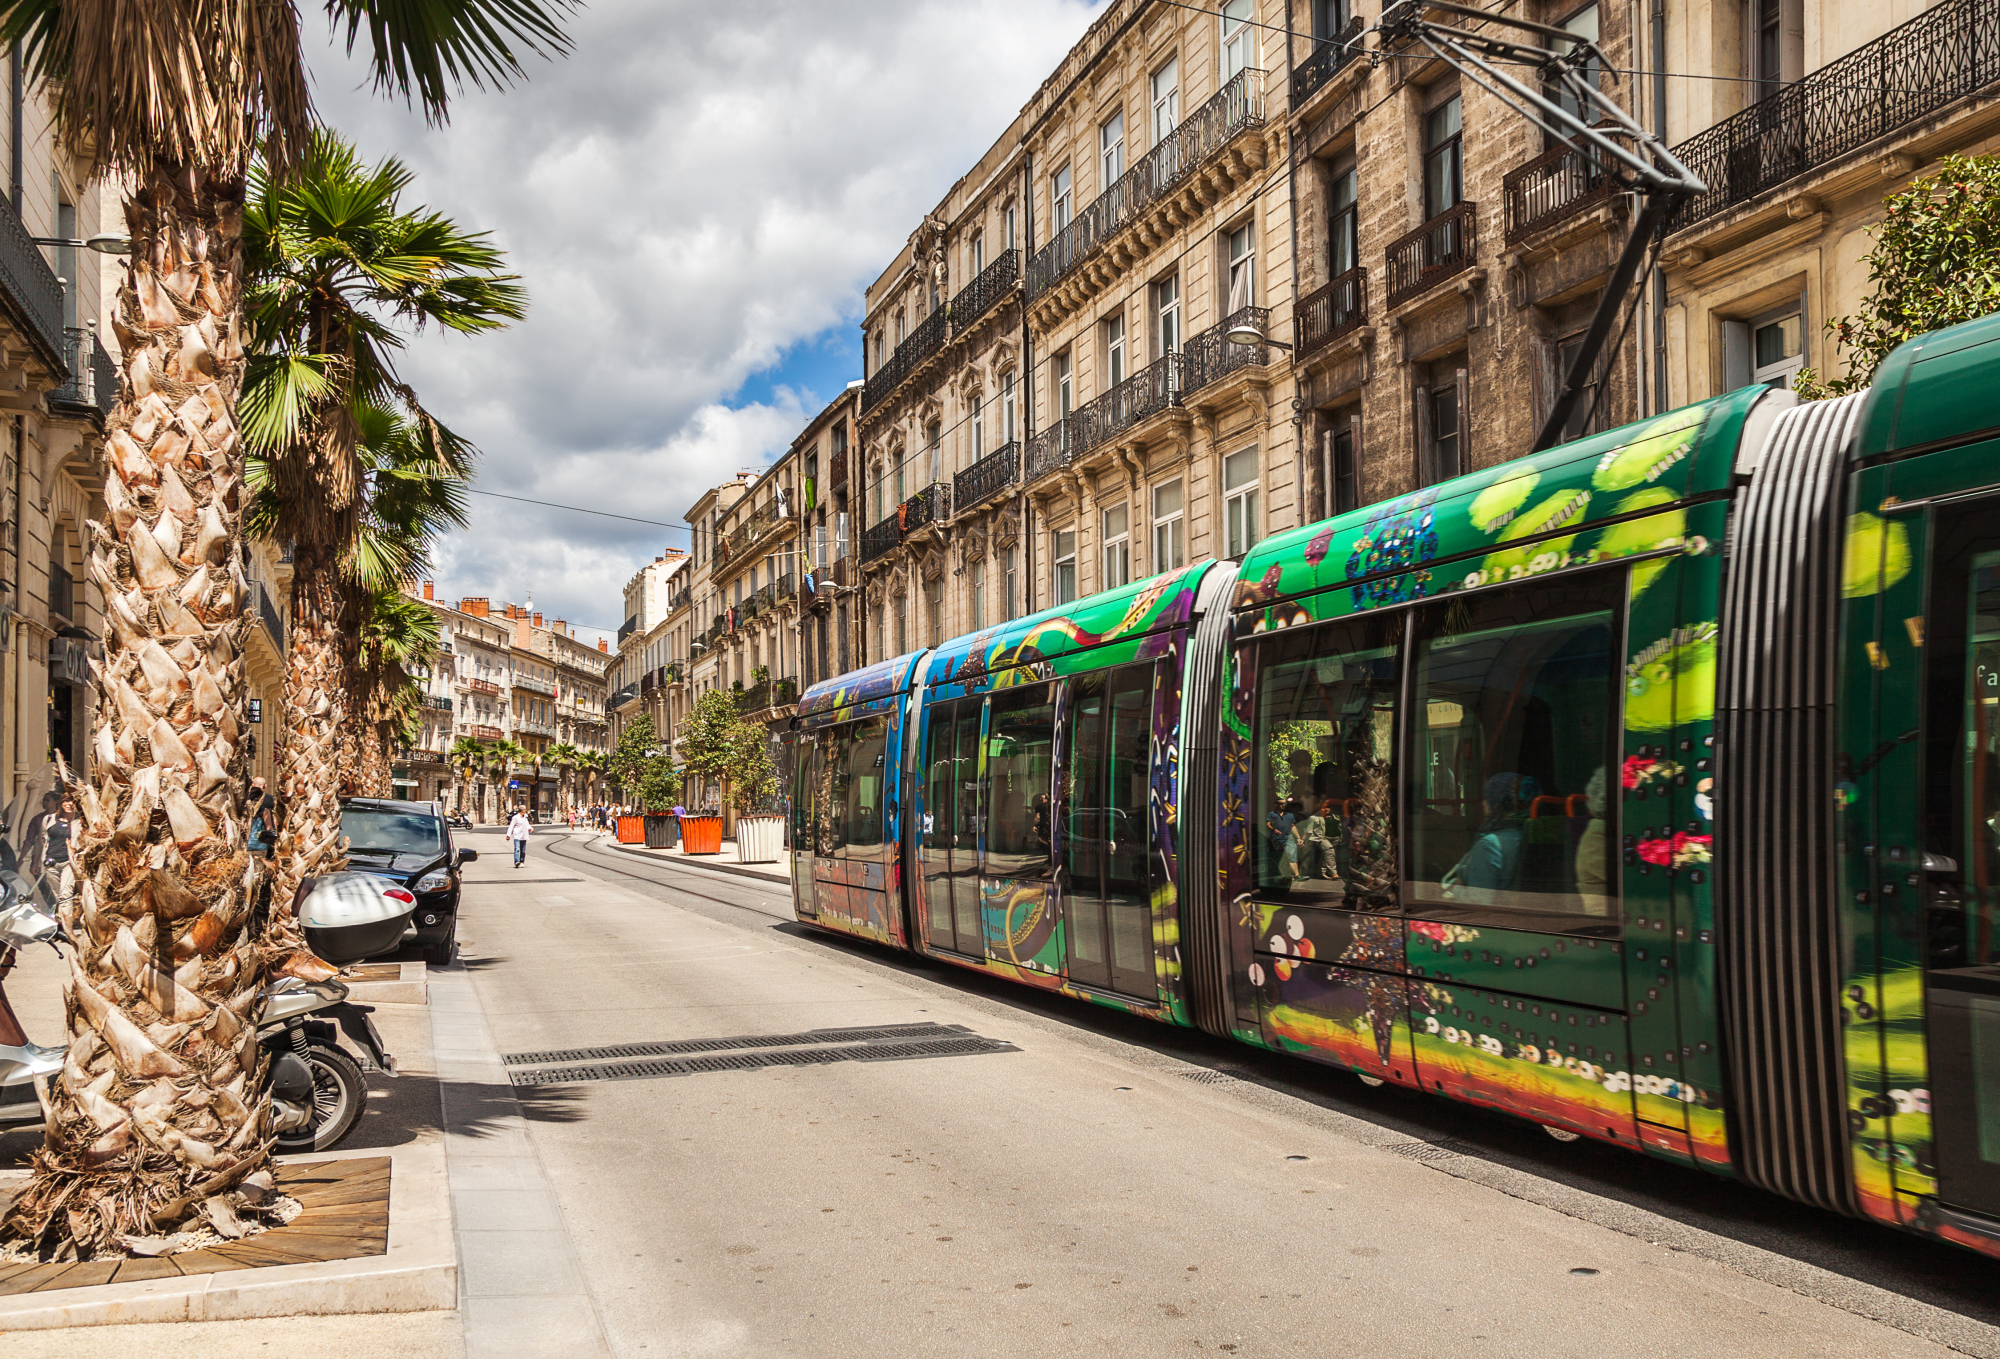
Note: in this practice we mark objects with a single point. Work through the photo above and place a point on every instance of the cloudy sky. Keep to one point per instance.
(695, 199)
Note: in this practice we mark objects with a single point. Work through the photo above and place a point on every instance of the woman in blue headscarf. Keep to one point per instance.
(1494, 861)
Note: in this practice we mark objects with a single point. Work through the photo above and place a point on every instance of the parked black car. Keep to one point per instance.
(411, 842)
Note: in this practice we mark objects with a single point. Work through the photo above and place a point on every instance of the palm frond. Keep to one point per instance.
(424, 50)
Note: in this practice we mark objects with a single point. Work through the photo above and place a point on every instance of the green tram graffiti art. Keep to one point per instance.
(1647, 788)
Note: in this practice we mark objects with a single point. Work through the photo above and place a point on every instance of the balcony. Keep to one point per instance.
(1329, 56)
(1552, 188)
(534, 684)
(523, 726)
(1146, 393)
(1906, 75)
(627, 628)
(1440, 248)
(932, 505)
(481, 732)
(1209, 358)
(441, 704)
(480, 686)
(880, 539)
(622, 696)
(836, 469)
(740, 539)
(32, 290)
(648, 681)
(976, 298)
(917, 346)
(1054, 448)
(678, 601)
(989, 476)
(1237, 106)
(675, 672)
(1329, 312)
(753, 699)
(93, 376)
(267, 612)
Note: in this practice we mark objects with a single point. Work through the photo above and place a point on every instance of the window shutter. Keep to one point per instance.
(1426, 454)
(1464, 423)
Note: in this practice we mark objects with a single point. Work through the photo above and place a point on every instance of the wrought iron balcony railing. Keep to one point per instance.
(1444, 246)
(274, 621)
(627, 628)
(1237, 106)
(1053, 448)
(1949, 51)
(480, 686)
(1208, 357)
(678, 600)
(995, 281)
(1328, 57)
(1332, 310)
(31, 288)
(753, 699)
(932, 505)
(623, 696)
(534, 684)
(437, 701)
(93, 376)
(484, 732)
(1552, 188)
(989, 476)
(879, 539)
(917, 346)
(1147, 392)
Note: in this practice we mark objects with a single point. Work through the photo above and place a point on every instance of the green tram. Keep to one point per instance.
(1647, 788)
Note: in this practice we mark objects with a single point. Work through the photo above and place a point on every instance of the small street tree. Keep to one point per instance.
(1936, 263)
(643, 772)
(719, 744)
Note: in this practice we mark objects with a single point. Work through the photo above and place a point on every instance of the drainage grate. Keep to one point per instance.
(755, 1040)
(961, 1044)
(1430, 1151)
(1214, 1075)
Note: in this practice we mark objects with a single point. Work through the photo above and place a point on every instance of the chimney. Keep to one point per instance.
(478, 606)
(538, 619)
(604, 646)
(430, 592)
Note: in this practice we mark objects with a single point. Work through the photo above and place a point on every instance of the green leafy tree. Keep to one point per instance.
(170, 99)
(718, 744)
(627, 765)
(1936, 263)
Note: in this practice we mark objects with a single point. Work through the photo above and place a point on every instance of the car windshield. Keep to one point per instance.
(399, 832)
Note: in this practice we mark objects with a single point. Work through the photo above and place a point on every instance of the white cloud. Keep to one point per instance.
(693, 191)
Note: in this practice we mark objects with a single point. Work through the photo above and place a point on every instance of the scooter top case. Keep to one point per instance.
(351, 916)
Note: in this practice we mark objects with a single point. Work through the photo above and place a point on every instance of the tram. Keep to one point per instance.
(1647, 788)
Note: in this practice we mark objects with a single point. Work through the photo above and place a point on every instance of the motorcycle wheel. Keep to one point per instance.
(340, 1095)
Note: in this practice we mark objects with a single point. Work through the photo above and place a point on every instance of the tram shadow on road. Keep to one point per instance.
(1439, 1131)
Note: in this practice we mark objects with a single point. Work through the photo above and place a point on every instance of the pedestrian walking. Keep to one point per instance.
(263, 818)
(518, 831)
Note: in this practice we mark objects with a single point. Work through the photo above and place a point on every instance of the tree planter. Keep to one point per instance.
(701, 834)
(663, 830)
(759, 836)
(631, 830)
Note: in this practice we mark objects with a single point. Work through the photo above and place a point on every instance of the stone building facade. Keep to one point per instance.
(829, 576)
(1062, 413)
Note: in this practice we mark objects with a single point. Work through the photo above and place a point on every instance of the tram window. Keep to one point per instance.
(861, 777)
(1020, 739)
(1322, 821)
(1962, 760)
(1512, 742)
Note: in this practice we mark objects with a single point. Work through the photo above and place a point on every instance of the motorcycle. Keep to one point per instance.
(458, 820)
(318, 1091)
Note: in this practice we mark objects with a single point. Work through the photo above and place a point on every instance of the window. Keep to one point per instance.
(1323, 803)
(1241, 270)
(1344, 221)
(1777, 349)
(1065, 386)
(950, 827)
(976, 588)
(1346, 467)
(1104, 807)
(1167, 316)
(1117, 547)
(1444, 168)
(1111, 150)
(1166, 87)
(1009, 596)
(902, 612)
(1062, 555)
(1330, 17)
(1584, 25)
(1239, 489)
(902, 327)
(66, 258)
(1007, 228)
(977, 418)
(878, 352)
(1238, 38)
(1441, 417)
(934, 448)
(1007, 430)
(1061, 203)
(1169, 528)
(1582, 418)
(1114, 350)
(1513, 750)
(897, 473)
(855, 757)
(1020, 740)
(934, 610)
(978, 254)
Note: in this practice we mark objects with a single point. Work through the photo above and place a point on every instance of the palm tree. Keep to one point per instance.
(468, 758)
(165, 1112)
(504, 754)
(563, 756)
(337, 269)
(591, 763)
(398, 634)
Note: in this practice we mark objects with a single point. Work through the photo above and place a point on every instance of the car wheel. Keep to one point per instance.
(444, 950)
(340, 1094)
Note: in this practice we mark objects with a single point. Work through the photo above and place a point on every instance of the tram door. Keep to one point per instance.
(950, 830)
(1105, 845)
(1962, 854)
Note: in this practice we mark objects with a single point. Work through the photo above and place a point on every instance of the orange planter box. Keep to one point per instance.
(701, 835)
(631, 830)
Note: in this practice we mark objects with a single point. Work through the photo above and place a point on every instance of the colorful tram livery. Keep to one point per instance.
(1647, 788)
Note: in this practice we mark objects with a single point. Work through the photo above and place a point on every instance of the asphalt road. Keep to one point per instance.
(1086, 1182)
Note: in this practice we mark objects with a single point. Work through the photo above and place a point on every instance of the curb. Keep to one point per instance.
(410, 988)
(418, 1274)
(733, 870)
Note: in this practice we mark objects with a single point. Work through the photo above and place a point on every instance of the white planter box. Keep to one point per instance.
(759, 838)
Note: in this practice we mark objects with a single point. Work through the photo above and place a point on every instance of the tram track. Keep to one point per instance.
(602, 860)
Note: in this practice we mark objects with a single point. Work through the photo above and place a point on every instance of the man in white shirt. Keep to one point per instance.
(518, 831)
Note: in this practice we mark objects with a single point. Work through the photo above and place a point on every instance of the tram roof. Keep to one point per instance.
(884, 679)
(1128, 614)
(1497, 512)
(1935, 389)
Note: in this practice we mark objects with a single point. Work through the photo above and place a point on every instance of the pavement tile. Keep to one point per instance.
(531, 1328)
(475, 1173)
(502, 1264)
(493, 1210)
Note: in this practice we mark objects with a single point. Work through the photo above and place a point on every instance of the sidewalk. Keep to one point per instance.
(778, 871)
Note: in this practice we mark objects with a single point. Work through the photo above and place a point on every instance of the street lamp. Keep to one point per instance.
(105, 243)
(1246, 332)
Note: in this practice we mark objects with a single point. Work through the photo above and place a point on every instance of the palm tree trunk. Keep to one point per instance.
(309, 842)
(161, 1108)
